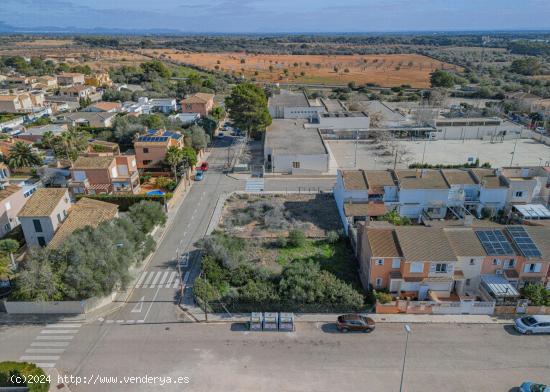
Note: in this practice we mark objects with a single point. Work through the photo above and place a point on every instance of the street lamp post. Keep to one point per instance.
(408, 331)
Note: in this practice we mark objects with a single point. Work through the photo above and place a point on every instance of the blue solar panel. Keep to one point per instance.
(495, 243)
(523, 241)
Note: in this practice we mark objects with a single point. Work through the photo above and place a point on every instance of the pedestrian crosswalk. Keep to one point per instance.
(154, 279)
(48, 346)
(254, 185)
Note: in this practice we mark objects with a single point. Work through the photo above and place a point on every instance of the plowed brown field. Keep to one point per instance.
(385, 70)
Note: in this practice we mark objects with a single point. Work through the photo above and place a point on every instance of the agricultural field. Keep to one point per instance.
(96, 58)
(384, 70)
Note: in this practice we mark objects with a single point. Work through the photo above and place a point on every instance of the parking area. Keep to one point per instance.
(370, 155)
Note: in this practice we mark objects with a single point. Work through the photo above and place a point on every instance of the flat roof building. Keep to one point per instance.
(290, 147)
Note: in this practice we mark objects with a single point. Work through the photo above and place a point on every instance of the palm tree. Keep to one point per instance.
(22, 155)
(48, 139)
(173, 157)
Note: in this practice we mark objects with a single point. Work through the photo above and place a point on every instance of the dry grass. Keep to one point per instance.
(384, 70)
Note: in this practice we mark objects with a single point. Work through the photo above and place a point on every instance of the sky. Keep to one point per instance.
(273, 16)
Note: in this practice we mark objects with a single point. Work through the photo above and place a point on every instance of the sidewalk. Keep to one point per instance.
(379, 318)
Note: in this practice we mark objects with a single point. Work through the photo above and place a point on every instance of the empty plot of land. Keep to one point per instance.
(371, 156)
(385, 70)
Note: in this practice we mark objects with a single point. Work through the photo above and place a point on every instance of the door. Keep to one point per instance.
(423, 292)
(543, 328)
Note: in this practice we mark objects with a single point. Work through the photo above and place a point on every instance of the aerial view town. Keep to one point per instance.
(274, 196)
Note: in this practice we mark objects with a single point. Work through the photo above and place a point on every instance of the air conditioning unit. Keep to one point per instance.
(498, 272)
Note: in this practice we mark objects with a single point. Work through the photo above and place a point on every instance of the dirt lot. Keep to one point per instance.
(385, 70)
(273, 216)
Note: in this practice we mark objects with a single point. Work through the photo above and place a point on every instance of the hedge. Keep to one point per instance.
(124, 202)
(39, 379)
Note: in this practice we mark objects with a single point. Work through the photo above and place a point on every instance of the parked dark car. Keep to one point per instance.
(354, 322)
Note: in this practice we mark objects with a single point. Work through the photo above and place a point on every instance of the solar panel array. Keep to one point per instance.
(523, 241)
(153, 138)
(495, 243)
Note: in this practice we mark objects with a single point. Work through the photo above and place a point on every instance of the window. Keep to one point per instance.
(59, 218)
(147, 161)
(379, 261)
(65, 213)
(472, 262)
(41, 241)
(146, 151)
(518, 194)
(496, 262)
(441, 268)
(417, 267)
(7, 227)
(37, 225)
(378, 282)
(510, 263)
(532, 268)
(396, 263)
(296, 165)
(467, 282)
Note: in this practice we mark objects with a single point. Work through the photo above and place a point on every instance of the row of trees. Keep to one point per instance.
(91, 261)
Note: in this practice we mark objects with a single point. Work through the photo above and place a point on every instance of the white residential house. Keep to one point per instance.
(293, 105)
(43, 213)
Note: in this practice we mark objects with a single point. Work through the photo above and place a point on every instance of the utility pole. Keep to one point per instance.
(514, 152)
(408, 331)
(395, 160)
(356, 141)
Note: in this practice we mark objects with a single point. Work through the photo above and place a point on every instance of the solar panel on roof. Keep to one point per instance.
(494, 242)
(523, 241)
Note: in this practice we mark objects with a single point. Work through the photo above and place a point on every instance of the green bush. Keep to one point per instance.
(296, 238)
(333, 237)
(536, 294)
(383, 297)
(281, 242)
(9, 368)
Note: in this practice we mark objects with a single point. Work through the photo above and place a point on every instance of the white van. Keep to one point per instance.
(533, 324)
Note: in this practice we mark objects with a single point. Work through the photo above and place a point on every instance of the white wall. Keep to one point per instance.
(413, 201)
(472, 272)
(492, 198)
(308, 163)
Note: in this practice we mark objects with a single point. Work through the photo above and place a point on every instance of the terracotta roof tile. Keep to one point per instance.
(464, 242)
(365, 209)
(383, 243)
(421, 179)
(424, 244)
(43, 202)
(94, 162)
(354, 180)
(86, 212)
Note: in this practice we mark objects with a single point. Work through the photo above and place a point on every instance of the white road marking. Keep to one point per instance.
(130, 321)
(140, 321)
(54, 337)
(110, 321)
(149, 278)
(176, 282)
(49, 344)
(58, 331)
(141, 279)
(139, 306)
(63, 325)
(39, 358)
(163, 279)
(120, 321)
(170, 279)
(154, 282)
(45, 365)
(44, 350)
(151, 304)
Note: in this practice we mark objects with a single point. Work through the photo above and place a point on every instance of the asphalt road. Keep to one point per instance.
(225, 357)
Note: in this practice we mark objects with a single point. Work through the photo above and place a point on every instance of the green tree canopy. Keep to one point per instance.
(440, 78)
(199, 139)
(247, 107)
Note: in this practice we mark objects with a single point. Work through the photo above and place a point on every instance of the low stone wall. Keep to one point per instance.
(510, 310)
(58, 307)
